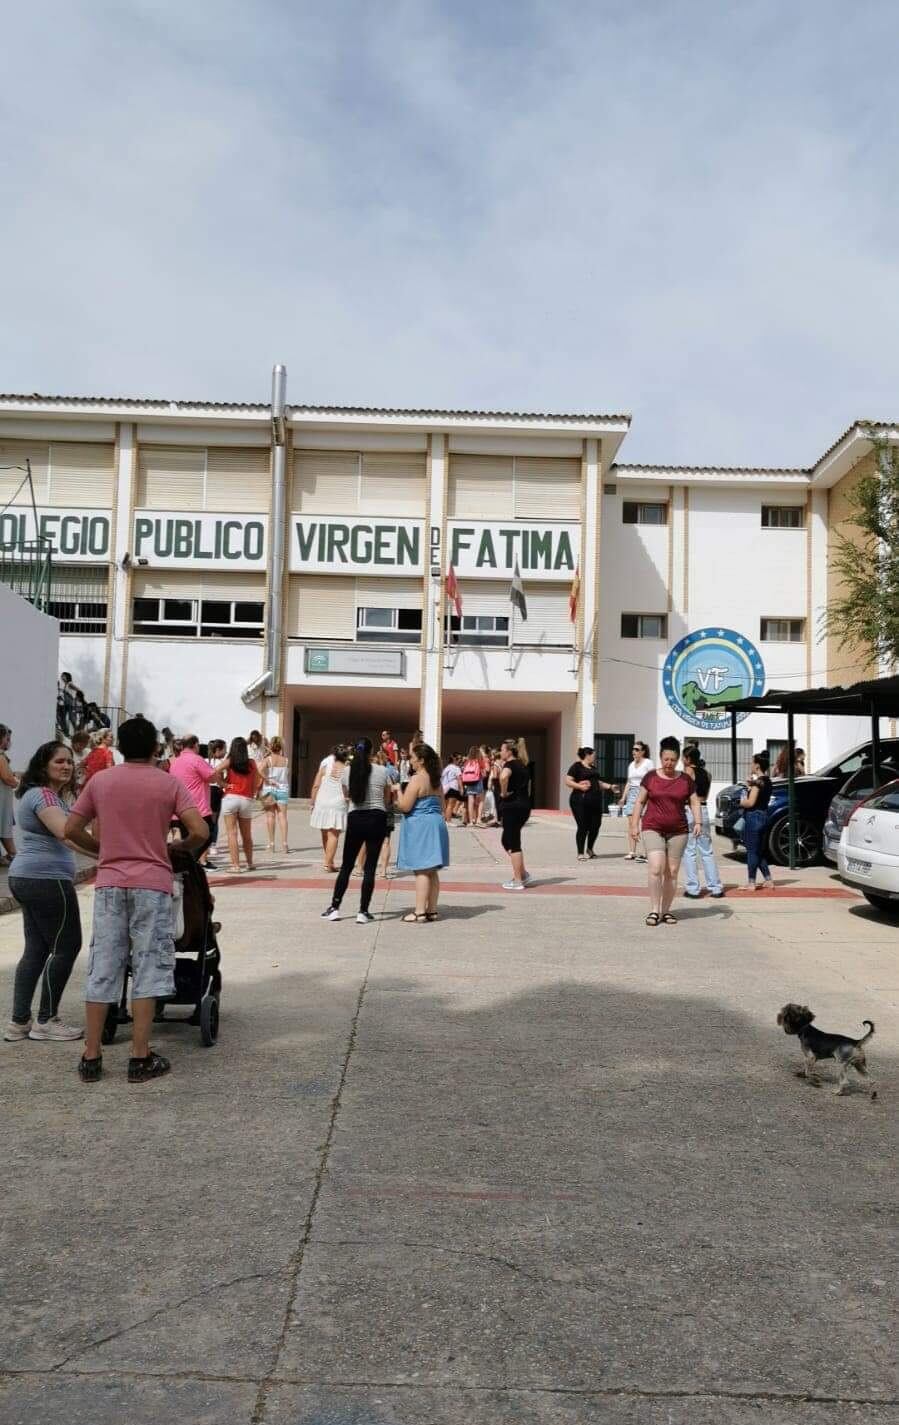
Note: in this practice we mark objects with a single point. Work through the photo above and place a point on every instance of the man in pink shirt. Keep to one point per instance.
(195, 774)
(133, 805)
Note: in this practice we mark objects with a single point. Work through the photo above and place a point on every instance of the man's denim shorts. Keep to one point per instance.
(135, 925)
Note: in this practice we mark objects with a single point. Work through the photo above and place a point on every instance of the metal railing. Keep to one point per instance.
(26, 567)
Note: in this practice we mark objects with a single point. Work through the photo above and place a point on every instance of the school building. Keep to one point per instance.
(223, 566)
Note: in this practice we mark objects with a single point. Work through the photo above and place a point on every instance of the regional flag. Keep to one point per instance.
(452, 591)
(574, 594)
(516, 593)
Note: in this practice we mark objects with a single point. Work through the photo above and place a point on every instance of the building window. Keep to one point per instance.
(78, 597)
(481, 630)
(198, 618)
(783, 516)
(644, 625)
(782, 630)
(642, 512)
(381, 625)
(715, 753)
(614, 753)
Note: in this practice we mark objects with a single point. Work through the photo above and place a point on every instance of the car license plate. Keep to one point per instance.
(860, 868)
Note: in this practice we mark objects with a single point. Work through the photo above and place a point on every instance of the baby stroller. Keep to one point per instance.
(198, 975)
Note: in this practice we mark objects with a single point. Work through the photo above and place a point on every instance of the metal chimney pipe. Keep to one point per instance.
(274, 622)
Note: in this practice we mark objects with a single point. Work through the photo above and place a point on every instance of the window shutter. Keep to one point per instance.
(15, 453)
(393, 484)
(88, 582)
(170, 477)
(546, 488)
(388, 593)
(181, 584)
(480, 486)
(548, 622)
(321, 606)
(81, 475)
(484, 597)
(237, 479)
(325, 482)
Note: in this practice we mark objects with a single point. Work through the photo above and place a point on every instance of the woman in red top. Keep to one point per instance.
(241, 778)
(661, 802)
(100, 756)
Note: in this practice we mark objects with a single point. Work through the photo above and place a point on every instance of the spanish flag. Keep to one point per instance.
(574, 594)
(452, 591)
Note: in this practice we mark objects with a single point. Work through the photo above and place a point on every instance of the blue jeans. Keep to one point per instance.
(701, 847)
(754, 823)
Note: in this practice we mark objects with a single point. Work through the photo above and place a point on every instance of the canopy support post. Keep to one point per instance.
(791, 787)
(875, 743)
(733, 747)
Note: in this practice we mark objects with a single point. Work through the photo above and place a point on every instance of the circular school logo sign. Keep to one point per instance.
(709, 669)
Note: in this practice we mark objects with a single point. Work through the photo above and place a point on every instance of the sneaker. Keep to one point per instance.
(527, 878)
(332, 913)
(15, 1031)
(582, 856)
(90, 1070)
(513, 885)
(55, 1029)
(692, 895)
(363, 918)
(717, 895)
(640, 860)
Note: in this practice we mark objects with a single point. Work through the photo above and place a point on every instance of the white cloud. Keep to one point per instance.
(686, 211)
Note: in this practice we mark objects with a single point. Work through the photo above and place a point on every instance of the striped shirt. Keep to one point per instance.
(40, 854)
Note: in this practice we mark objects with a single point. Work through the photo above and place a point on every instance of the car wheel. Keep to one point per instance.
(882, 903)
(808, 842)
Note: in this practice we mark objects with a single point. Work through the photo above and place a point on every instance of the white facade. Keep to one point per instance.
(161, 518)
(28, 700)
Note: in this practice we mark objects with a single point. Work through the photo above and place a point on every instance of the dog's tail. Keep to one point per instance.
(865, 1037)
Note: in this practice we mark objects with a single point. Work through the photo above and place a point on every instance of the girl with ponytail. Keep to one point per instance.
(366, 825)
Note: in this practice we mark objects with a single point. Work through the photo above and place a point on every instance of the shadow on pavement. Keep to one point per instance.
(574, 1187)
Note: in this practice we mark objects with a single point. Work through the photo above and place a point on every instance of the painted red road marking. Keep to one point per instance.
(481, 888)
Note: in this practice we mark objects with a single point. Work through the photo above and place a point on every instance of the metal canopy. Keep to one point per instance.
(878, 697)
(875, 698)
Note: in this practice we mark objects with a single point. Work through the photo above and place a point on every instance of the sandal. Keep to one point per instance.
(431, 915)
(652, 918)
(153, 1067)
(669, 919)
(413, 919)
(90, 1070)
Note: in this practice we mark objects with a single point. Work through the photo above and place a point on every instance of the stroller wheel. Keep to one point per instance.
(209, 1019)
(111, 1025)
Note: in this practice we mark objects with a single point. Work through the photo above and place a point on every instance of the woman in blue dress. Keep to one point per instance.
(424, 839)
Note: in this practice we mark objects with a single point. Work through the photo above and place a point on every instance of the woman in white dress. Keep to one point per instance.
(641, 764)
(329, 804)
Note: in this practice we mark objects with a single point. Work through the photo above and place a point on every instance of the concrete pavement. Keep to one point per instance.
(534, 1162)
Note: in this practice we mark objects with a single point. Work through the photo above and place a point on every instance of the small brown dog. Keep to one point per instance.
(849, 1054)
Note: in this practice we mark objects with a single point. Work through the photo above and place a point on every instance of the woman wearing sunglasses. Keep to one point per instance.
(641, 763)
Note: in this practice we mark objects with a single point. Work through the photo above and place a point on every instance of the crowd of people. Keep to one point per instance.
(126, 805)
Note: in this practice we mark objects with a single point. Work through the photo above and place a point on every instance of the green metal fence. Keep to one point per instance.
(26, 567)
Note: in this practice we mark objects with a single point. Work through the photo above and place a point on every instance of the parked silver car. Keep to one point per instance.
(860, 785)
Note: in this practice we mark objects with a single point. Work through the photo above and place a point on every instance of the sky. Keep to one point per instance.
(684, 211)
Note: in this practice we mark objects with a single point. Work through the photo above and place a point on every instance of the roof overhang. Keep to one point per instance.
(609, 429)
(852, 446)
(709, 475)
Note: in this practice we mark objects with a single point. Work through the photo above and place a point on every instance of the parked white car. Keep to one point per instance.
(868, 853)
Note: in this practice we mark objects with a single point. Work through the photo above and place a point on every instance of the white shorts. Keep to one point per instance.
(233, 805)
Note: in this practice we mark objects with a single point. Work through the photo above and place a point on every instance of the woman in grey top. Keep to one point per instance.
(42, 879)
(366, 825)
